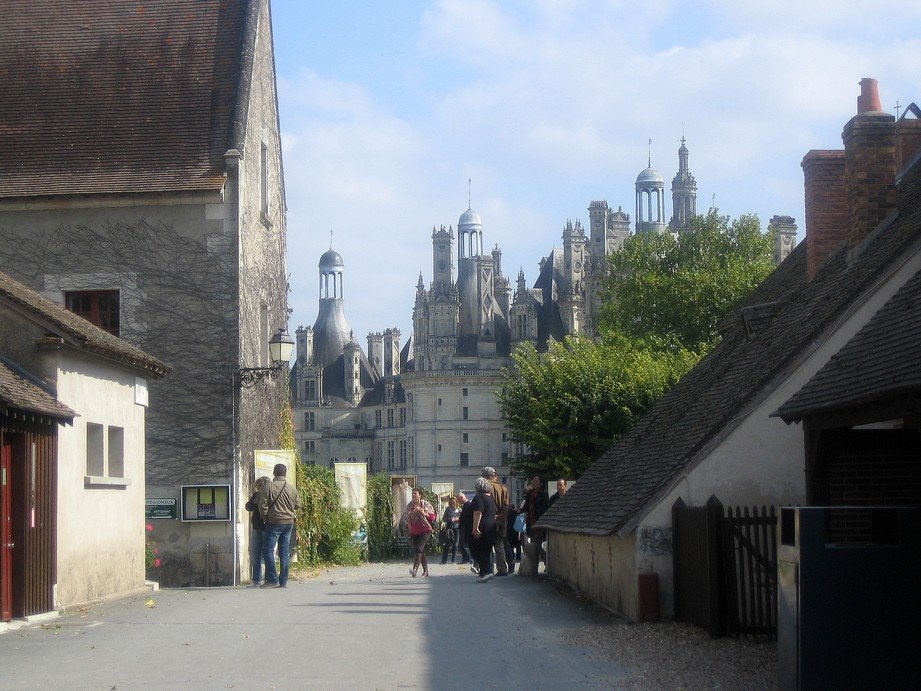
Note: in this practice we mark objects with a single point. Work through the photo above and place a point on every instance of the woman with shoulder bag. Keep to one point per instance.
(420, 515)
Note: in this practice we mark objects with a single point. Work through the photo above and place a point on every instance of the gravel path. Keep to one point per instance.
(678, 656)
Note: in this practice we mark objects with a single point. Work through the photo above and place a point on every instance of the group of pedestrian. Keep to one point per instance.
(272, 510)
(483, 530)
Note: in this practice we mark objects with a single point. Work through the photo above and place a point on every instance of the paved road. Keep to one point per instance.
(370, 627)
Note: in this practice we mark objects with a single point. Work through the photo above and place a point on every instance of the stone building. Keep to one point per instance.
(72, 411)
(143, 190)
(429, 409)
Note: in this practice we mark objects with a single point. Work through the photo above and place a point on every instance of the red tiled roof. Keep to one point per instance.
(117, 96)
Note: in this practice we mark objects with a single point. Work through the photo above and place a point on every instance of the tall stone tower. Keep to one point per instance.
(331, 331)
(572, 295)
(783, 228)
(523, 314)
(684, 194)
(650, 201)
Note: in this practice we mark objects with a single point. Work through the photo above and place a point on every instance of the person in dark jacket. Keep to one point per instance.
(483, 530)
(560, 491)
(464, 526)
(535, 503)
(451, 520)
(257, 532)
(513, 543)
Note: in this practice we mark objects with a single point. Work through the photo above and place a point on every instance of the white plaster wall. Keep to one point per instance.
(599, 567)
(100, 530)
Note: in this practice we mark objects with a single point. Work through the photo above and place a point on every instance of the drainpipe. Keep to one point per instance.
(232, 160)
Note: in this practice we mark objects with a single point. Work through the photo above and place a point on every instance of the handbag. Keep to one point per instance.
(521, 524)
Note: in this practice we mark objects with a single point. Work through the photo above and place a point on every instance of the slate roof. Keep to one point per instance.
(549, 322)
(19, 393)
(118, 96)
(740, 371)
(881, 361)
(76, 329)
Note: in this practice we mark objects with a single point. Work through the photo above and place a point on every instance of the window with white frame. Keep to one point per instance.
(105, 455)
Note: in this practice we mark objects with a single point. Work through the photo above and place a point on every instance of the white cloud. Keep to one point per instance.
(547, 105)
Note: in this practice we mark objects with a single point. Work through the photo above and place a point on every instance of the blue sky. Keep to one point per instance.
(387, 108)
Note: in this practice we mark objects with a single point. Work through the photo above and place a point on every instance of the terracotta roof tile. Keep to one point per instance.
(117, 96)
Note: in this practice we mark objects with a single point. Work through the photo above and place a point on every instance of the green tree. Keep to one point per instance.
(678, 290)
(662, 302)
(568, 404)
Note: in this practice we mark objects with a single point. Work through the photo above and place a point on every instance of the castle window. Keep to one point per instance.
(264, 186)
(99, 307)
(466, 437)
(390, 417)
(403, 417)
(310, 447)
(411, 452)
(309, 421)
(377, 419)
(389, 455)
(466, 413)
(465, 391)
(465, 459)
(402, 453)
(310, 390)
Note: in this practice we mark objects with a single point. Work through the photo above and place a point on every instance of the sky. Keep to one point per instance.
(388, 109)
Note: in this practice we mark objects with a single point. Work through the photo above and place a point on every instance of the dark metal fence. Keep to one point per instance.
(725, 568)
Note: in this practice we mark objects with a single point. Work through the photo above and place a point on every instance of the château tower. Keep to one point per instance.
(684, 194)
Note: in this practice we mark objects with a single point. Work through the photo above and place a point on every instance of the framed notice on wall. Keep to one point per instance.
(205, 502)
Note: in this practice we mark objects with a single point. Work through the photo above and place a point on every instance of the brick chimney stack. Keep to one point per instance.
(869, 162)
(826, 206)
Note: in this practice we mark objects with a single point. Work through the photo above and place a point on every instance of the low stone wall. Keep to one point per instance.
(600, 567)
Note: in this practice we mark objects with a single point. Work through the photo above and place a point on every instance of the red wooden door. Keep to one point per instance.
(6, 532)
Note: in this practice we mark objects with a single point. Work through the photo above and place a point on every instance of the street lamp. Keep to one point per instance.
(280, 349)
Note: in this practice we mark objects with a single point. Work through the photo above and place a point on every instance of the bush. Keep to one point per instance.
(325, 528)
(380, 517)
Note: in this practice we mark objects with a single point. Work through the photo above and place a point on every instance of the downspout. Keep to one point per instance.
(232, 228)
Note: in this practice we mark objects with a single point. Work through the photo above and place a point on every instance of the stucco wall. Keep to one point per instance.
(600, 567)
(100, 527)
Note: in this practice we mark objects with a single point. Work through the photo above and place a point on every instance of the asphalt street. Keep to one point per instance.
(369, 627)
